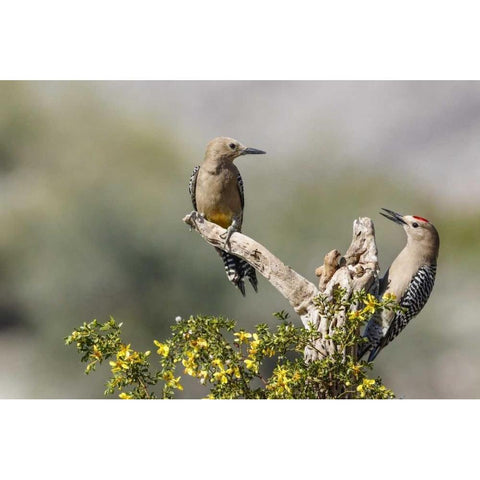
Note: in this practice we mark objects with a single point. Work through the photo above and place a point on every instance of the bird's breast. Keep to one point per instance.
(217, 197)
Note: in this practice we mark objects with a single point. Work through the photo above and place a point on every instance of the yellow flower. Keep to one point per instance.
(125, 357)
(171, 380)
(198, 344)
(189, 364)
(356, 315)
(220, 376)
(370, 304)
(252, 365)
(116, 366)
(97, 353)
(280, 389)
(124, 352)
(356, 369)
(367, 383)
(282, 376)
(254, 346)
(190, 371)
(175, 383)
(234, 370)
(135, 358)
(242, 336)
(360, 389)
(217, 363)
(389, 296)
(296, 377)
(163, 348)
(126, 396)
(280, 384)
(269, 352)
(256, 341)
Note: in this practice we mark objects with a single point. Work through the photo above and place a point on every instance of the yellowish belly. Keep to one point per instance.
(220, 218)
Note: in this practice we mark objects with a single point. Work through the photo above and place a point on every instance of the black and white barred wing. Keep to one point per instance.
(240, 190)
(413, 301)
(242, 199)
(192, 186)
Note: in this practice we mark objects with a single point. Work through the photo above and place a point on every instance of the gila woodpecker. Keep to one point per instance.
(216, 188)
(410, 278)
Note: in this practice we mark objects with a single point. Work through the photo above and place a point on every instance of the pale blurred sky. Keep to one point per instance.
(424, 131)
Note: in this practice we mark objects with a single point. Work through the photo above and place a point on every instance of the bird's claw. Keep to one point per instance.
(226, 237)
(228, 233)
(193, 217)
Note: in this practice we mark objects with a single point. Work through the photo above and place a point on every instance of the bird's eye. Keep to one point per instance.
(414, 224)
(232, 146)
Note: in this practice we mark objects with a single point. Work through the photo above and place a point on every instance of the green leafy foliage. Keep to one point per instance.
(99, 342)
(233, 363)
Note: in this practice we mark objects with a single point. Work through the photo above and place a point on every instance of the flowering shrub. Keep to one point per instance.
(235, 363)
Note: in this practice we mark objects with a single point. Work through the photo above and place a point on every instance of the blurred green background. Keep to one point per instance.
(93, 187)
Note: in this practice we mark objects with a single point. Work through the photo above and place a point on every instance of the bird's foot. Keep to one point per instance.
(226, 237)
(195, 216)
(228, 233)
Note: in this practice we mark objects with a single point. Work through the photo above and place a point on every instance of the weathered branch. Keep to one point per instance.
(357, 269)
(296, 289)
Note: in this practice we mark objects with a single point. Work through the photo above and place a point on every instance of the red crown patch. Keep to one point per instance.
(421, 219)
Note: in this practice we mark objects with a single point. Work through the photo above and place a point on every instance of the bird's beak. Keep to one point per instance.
(252, 151)
(394, 216)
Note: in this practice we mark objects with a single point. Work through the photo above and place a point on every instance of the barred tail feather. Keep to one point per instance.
(363, 349)
(237, 269)
(249, 272)
(374, 334)
(374, 353)
(373, 349)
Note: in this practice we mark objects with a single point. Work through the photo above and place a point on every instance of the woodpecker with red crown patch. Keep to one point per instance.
(410, 278)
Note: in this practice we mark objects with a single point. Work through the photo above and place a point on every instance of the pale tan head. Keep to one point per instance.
(419, 230)
(228, 149)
